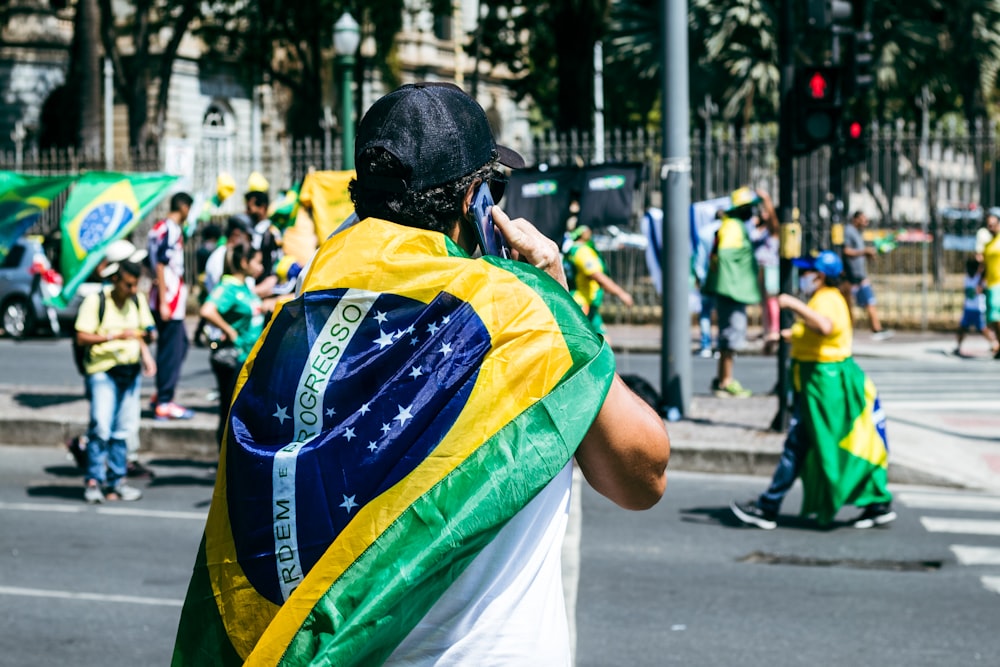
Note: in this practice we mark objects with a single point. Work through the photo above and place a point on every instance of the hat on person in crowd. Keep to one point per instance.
(120, 251)
(225, 186)
(741, 197)
(827, 262)
(239, 223)
(436, 131)
(257, 183)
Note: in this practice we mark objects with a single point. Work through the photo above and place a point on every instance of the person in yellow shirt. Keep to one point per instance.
(591, 280)
(837, 441)
(112, 325)
(988, 253)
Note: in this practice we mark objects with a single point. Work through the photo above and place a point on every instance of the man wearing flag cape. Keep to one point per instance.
(395, 473)
(837, 441)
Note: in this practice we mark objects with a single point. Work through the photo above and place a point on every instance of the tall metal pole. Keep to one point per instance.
(346, 65)
(109, 115)
(675, 181)
(598, 103)
(789, 228)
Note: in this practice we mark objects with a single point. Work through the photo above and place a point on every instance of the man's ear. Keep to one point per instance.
(469, 194)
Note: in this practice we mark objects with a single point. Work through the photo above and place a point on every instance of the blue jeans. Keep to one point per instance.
(789, 466)
(114, 413)
(705, 321)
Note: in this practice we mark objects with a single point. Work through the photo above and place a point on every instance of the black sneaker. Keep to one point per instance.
(878, 514)
(136, 469)
(78, 450)
(751, 514)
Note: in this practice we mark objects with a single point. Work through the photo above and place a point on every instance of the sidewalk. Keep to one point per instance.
(937, 444)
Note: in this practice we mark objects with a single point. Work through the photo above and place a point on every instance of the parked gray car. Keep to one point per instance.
(22, 308)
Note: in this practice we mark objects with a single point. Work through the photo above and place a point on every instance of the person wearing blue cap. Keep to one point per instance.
(837, 441)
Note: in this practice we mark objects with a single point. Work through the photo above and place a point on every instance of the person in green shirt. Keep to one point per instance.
(590, 278)
(238, 312)
(732, 280)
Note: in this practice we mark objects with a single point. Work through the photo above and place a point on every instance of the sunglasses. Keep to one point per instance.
(498, 185)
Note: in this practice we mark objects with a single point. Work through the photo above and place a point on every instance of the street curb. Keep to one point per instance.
(197, 442)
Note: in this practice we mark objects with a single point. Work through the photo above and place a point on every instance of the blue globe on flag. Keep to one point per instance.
(102, 222)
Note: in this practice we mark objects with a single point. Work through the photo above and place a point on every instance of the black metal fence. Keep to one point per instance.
(927, 188)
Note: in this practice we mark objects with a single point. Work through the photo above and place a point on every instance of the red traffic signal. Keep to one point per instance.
(854, 130)
(818, 86)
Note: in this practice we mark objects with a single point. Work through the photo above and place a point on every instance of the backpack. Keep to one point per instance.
(81, 353)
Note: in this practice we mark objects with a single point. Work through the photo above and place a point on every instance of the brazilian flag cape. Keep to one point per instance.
(840, 414)
(388, 423)
(732, 267)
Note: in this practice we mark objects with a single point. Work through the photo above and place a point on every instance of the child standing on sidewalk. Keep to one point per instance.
(974, 311)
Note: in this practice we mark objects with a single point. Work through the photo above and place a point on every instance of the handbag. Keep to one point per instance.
(227, 356)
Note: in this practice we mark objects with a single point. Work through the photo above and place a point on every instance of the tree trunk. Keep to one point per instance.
(85, 77)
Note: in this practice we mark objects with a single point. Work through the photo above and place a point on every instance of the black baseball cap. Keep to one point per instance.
(438, 133)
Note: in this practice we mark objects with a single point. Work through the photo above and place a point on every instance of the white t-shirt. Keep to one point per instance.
(507, 608)
(215, 266)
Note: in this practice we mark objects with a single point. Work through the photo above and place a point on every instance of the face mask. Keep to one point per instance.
(807, 285)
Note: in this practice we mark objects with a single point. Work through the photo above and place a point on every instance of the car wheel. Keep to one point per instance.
(18, 320)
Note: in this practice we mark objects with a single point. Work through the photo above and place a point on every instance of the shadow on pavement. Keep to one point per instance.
(723, 516)
(45, 400)
(61, 492)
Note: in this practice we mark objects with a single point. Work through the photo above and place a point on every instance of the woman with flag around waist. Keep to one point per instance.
(837, 441)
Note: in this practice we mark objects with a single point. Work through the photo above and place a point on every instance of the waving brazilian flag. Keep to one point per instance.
(841, 415)
(388, 424)
(22, 201)
(103, 207)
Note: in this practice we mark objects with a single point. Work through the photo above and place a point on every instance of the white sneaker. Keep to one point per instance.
(884, 334)
(93, 494)
(126, 493)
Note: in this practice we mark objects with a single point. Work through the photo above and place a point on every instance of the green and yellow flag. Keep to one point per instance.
(842, 417)
(22, 201)
(389, 422)
(103, 207)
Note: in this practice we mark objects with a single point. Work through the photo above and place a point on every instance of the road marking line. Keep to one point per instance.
(967, 526)
(949, 501)
(155, 514)
(119, 511)
(967, 555)
(97, 597)
(991, 584)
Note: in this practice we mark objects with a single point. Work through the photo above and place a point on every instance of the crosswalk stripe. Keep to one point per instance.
(945, 501)
(96, 597)
(967, 555)
(966, 526)
(991, 584)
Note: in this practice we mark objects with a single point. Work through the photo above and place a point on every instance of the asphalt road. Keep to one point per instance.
(677, 585)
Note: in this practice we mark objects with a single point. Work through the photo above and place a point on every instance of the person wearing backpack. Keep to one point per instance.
(116, 353)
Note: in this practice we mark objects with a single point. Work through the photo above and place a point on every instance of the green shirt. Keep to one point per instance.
(241, 309)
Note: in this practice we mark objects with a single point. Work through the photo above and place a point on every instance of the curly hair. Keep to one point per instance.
(436, 209)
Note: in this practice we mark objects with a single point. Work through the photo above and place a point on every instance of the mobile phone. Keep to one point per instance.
(491, 241)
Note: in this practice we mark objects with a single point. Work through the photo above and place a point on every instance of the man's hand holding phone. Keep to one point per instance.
(529, 245)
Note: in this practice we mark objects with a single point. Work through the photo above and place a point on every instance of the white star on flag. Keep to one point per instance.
(445, 348)
(372, 446)
(364, 409)
(380, 317)
(432, 328)
(409, 330)
(384, 340)
(446, 319)
(331, 412)
(404, 414)
(415, 372)
(385, 428)
(281, 414)
(414, 341)
(349, 503)
(398, 334)
(349, 434)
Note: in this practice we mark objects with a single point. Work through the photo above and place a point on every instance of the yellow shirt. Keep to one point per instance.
(809, 345)
(113, 352)
(991, 262)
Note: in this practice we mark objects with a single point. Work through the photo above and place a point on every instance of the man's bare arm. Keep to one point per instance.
(624, 454)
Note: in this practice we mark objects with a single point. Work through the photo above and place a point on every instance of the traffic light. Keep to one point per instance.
(822, 14)
(817, 105)
(859, 76)
(855, 139)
